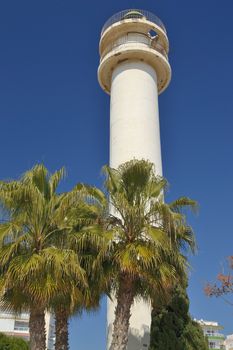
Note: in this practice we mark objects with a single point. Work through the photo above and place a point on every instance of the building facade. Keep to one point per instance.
(229, 342)
(17, 325)
(212, 330)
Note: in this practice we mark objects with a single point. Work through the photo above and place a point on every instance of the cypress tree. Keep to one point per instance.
(173, 328)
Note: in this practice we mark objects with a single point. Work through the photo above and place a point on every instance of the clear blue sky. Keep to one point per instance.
(52, 110)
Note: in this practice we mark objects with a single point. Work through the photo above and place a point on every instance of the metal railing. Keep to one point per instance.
(141, 40)
(22, 329)
(215, 334)
(133, 14)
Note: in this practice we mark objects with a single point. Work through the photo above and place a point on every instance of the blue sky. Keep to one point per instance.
(52, 110)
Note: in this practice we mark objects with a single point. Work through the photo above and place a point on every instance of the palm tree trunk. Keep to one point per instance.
(62, 335)
(37, 328)
(125, 298)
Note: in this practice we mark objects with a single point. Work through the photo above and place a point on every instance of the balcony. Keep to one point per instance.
(134, 35)
(215, 335)
(132, 40)
(21, 329)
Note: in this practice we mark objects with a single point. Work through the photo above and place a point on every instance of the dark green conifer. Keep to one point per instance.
(173, 328)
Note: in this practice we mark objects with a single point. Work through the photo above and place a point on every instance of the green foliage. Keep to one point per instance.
(12, 343)
(194, 338)
(148, 242)
(47, 245)
(35, 254)
(65, 249)
(148, 234)
(172, 327)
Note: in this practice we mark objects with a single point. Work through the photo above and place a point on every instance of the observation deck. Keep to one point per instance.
(134, 35)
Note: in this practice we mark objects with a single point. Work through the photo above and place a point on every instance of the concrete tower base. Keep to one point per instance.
(139, 332)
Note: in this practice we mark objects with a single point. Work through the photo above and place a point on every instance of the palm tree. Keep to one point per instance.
(141, 248)
(86, 239)
(181, 236)
(30, 260)
(75, 302)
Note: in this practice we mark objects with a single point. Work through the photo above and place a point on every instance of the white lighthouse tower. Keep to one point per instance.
(134, 70)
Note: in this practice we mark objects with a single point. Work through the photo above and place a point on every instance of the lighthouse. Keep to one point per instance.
(134, 69)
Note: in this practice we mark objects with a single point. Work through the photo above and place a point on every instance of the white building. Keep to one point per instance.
(212, 330)
(15, 325)
(229, 342)
(134, 69)
(18, 326)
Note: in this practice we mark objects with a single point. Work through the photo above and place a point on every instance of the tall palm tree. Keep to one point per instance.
(85, 238)
(181, 236)
(141, 248)
(75, 302)
(30, 260)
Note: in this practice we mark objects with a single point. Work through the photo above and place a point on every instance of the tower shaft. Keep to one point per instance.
(134, 133)
(134, 69)
(134, 114)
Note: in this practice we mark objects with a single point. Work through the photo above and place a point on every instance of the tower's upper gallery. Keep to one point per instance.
(139, 21)
(134, 35)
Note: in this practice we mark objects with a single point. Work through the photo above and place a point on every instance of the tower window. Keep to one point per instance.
(133, 14)
(152, 33)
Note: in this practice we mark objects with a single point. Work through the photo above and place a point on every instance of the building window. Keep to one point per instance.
(21, 326)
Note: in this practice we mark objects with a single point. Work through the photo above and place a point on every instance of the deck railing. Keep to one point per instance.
(133, 14)
(128, 40)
